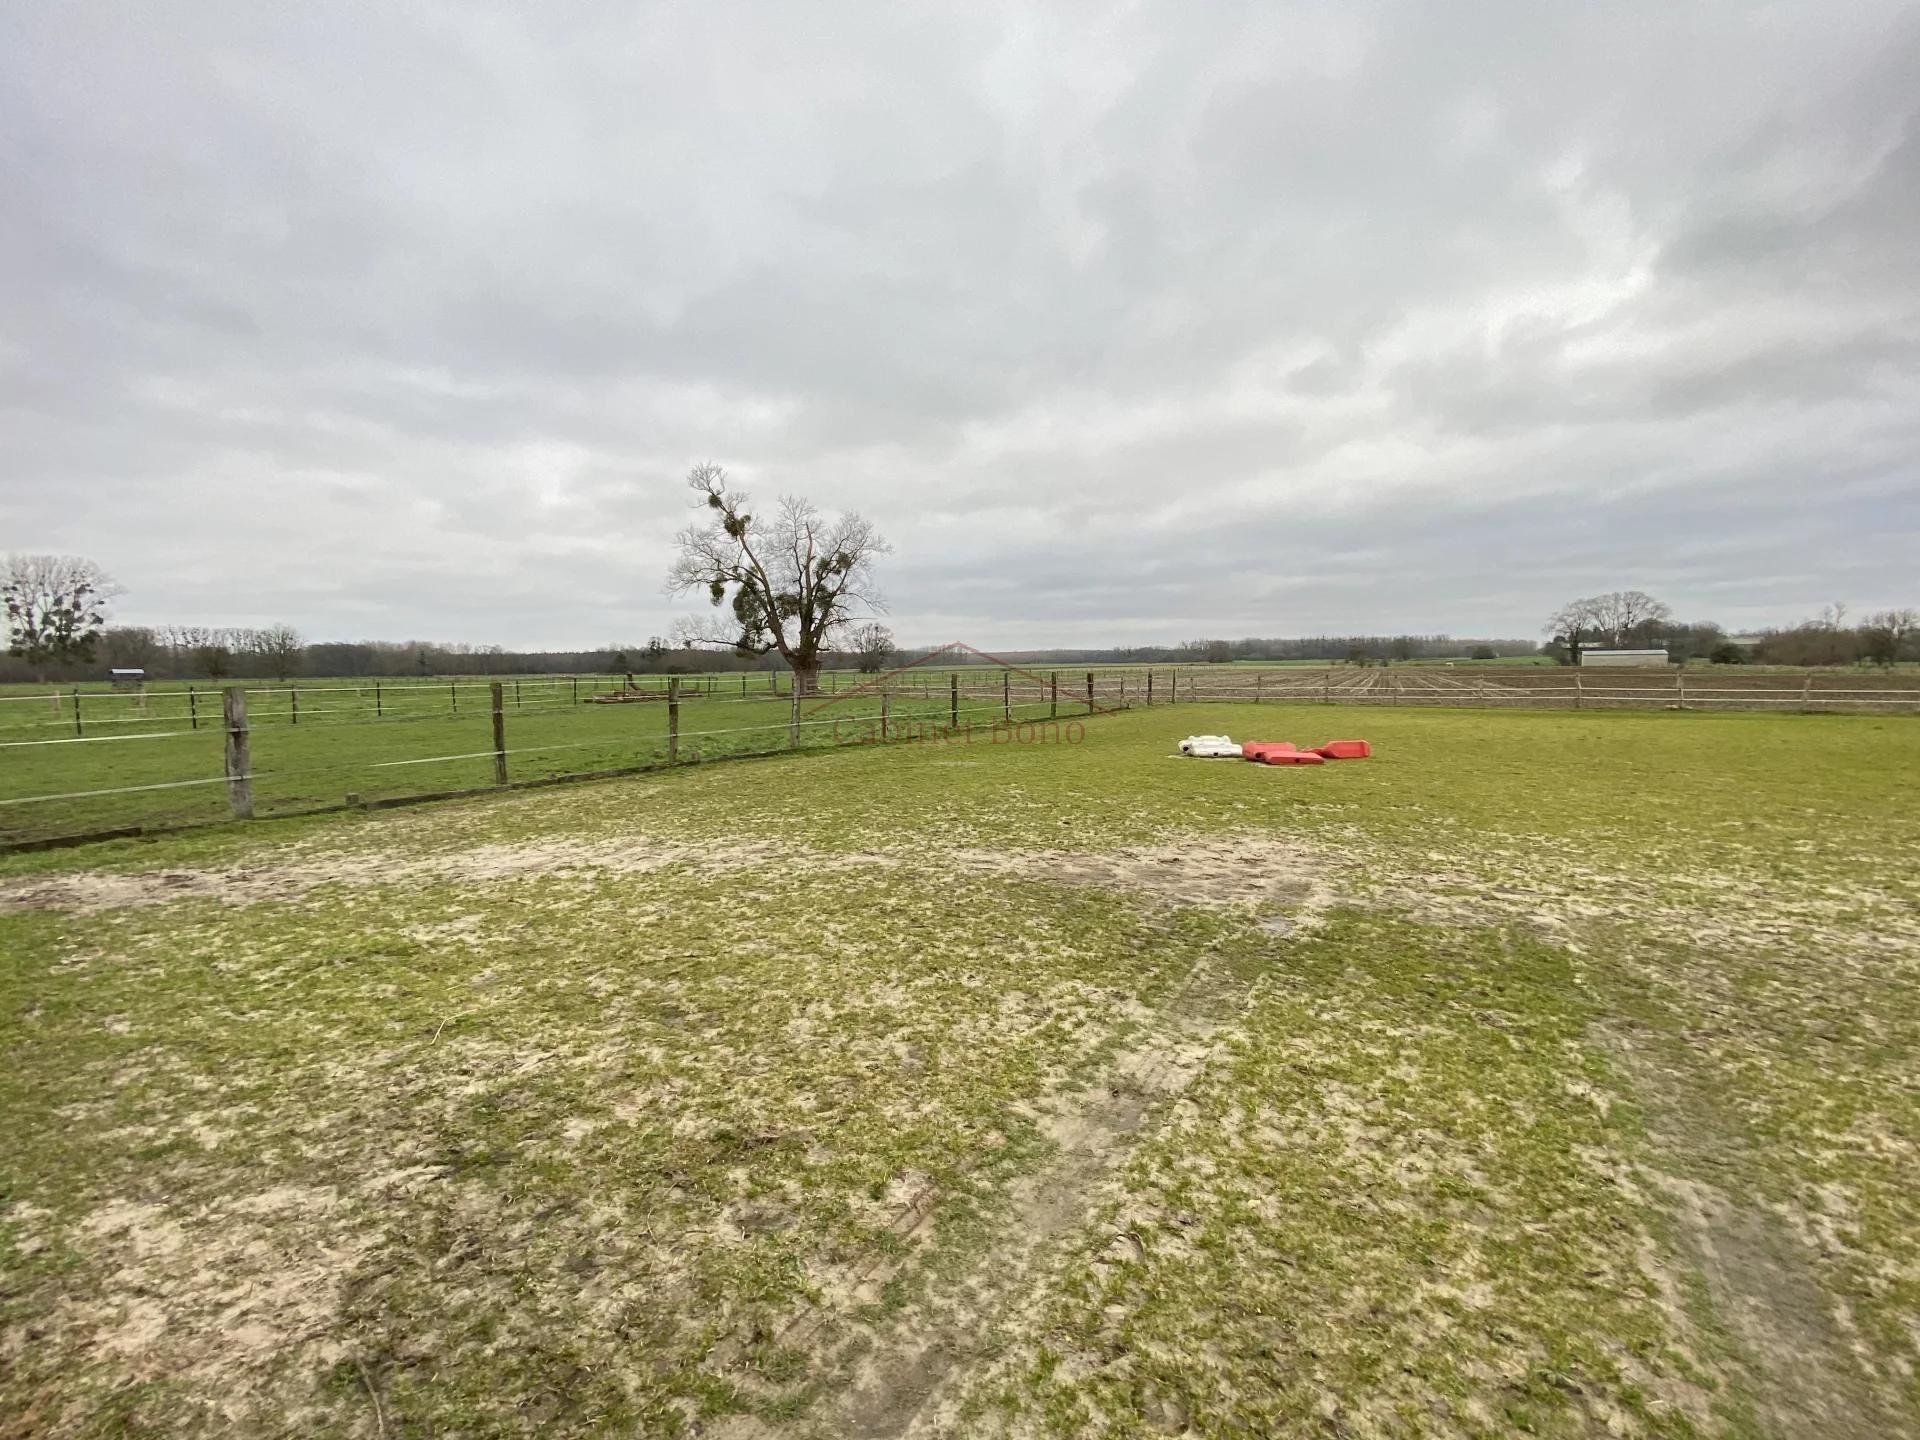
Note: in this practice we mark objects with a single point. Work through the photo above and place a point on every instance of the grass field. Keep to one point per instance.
(155, 763)
(1546, 1074)
(81, 764)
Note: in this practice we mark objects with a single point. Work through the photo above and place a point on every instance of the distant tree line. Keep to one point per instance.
(277, 652)
(1380, 649)
(1885, 637)
(1366, 649)
(1634, 620)
(54, 609)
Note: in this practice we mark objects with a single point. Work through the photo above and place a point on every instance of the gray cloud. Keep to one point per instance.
(1125, 326)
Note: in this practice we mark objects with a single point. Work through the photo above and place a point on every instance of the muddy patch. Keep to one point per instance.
(1251, 870)
(1788, 1329)
(228, 1297)
(87, 892)
(895, 1376)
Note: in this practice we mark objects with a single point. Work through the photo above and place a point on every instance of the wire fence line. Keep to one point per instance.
(1668, 688)
(54, 788)
(197, 706)
(282, 770)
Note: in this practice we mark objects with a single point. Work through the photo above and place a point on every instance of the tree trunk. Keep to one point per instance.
(806, 677)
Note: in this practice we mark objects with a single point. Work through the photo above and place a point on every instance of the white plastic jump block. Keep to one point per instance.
(1210, 747)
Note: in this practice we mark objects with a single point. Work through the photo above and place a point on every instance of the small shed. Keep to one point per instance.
(1625, 659)
(132, 678)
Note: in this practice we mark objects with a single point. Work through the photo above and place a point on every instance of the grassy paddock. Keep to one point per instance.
(161, 772)
(1547, 1073)
(159, 753)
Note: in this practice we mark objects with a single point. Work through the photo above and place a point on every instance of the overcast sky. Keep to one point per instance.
(1126, 324)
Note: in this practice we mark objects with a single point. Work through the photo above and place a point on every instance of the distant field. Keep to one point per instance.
(73, 764)
(1549, 1073)
(162, 763)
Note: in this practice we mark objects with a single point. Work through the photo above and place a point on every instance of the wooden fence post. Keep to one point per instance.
(379, 707)
(293, 702)
(453, 690)
(1579, 691)
(1259, 677)
(673, 720)
(499, 736)
(884, 716)
(1053, 695)
(1006, 695)
(1149, 687)
(953, 702)
(516, 694)
(1089, 692)
(743, 684)
(76, 712)
(1680, 686)
(193, 710)
(1806, 698)
(239, 754)
(793, 718)
(1326, 684)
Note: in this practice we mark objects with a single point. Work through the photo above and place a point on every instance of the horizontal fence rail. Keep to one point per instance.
(85, 764)
(60, 789)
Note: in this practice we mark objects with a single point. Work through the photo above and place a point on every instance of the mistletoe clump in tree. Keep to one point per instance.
(789, 582)
(56, 606)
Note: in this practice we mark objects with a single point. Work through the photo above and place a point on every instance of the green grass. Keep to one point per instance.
(165, 771)
(1546, 1073)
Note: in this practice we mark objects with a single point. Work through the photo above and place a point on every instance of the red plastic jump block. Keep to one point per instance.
(1260, 749)
(1293, 757)
(1345, 750)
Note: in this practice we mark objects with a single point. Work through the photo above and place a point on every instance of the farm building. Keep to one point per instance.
(1623, 657)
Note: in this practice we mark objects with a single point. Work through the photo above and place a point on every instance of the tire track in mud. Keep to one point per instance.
(1762, 1286)
(899, 1377)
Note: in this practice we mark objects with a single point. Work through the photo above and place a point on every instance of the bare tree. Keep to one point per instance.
(1572, 625)
(202, 649)
(1629, 615)
(1618, 617)
(1886, 635)
(131, 646)
(180, 642)
(213, 657)
(872, 647)
(278, 648)
(56, 606)
(791, 582)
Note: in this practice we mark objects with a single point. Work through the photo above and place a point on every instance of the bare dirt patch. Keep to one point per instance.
(227, 1297)
(897, 1375)
(88, 891)
(1793, 1349)
(1251, 869)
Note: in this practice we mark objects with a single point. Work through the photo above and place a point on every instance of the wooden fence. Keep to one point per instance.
(1666, 688)
(903, 705)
